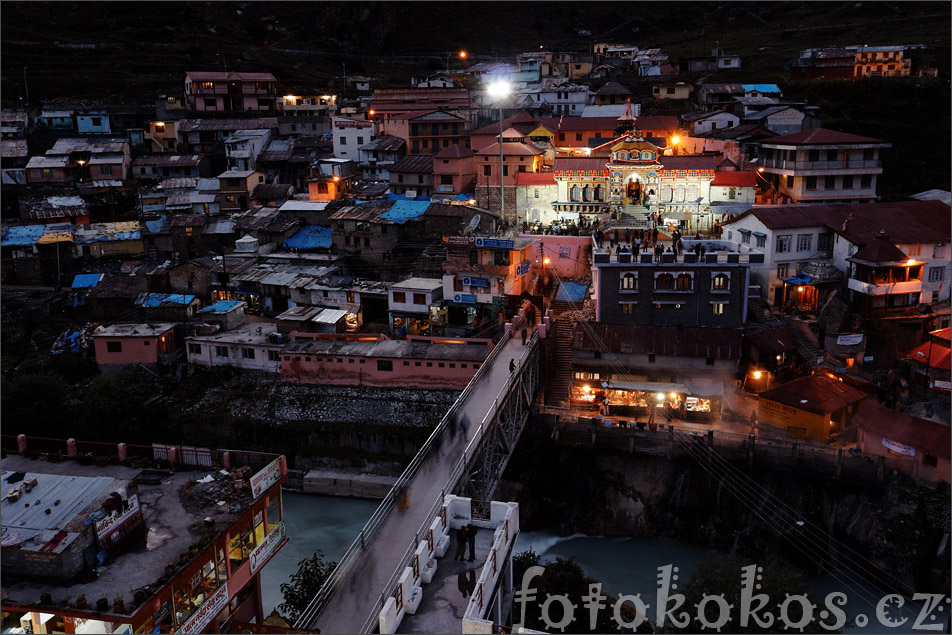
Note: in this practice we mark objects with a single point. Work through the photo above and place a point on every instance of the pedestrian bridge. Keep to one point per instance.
(465, 455)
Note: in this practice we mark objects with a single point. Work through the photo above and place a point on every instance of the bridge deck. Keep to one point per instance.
(349, 607)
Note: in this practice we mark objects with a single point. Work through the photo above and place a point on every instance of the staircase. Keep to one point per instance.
(807, 344)
(557, 385)
(635, 216)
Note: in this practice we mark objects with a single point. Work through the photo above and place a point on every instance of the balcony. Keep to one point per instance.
(888, 288)
(821, 166)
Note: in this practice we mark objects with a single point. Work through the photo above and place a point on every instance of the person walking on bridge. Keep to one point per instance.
(512, 366)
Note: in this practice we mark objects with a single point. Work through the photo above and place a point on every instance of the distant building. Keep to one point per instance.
(122, 345)
(812, 407)
(230, 91)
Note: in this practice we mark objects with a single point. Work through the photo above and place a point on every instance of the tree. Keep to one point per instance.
(303, 586)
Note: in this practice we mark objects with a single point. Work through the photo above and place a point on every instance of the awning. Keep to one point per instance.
(703, 387)
(760, 234)
(648, 386)
(799, 280)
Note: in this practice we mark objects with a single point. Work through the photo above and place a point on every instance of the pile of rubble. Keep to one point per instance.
(585, 314)
(227, 492)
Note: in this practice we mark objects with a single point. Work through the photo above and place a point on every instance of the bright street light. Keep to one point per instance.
(499, 90)
(462, 55)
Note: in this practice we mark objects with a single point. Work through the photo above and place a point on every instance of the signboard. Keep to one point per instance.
(461, 241)
(268, 476)
(898, 448)
(523, 268)
(868, 358)
(476, 282)
(108, 524)
(849, 339)
(214, 605)
(938, 384)
(267, 547)
(494, 243)
(464, 298)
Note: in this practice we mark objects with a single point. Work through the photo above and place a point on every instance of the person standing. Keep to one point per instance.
(471, 538)
(462, 534)
(627, 236)
(512, 366)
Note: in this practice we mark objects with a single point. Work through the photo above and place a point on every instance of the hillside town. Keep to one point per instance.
(713, 260)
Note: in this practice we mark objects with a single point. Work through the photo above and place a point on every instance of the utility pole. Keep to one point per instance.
(26, 88)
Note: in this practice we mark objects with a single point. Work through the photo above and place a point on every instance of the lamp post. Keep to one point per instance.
(499, 90)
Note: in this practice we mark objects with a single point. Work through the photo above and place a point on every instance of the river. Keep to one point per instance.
(622, 565)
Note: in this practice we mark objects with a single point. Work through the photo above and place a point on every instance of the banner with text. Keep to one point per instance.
(268, 476)
(207, 611)
(268, 546)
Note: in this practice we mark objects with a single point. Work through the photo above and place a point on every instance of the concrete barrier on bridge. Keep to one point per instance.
(332, 483)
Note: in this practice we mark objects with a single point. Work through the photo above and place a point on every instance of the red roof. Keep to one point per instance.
(657, 122)
(735, 179)
(695, 162)
(815, 393)
(880, 250)
(934, 354)
(819, 136)
(922, 434)
(579, 124)
(511, 148)
(535, 178)
(455, 151)
(579, 164)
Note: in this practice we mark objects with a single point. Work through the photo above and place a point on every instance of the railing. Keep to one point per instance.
(351, 556)
(783, 164)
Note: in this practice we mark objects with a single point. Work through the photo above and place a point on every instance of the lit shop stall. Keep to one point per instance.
(696, 400)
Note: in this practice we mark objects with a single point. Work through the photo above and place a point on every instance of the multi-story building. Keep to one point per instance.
(412, 176)
(307, 105)
(164, 166)
(881, 61)
(249, 347)
(386, 103)
(480, 272)
(821, 166)
(677, 291)
(199, 577)
(350, 134)
(882, 279)
(411, 303)
(236, 187)
(243, 147)
(230, 91)
(454, 172)
(428, 132)
(494, 180)
(377, 157)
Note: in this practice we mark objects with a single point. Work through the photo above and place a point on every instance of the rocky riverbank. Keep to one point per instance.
(809, 521)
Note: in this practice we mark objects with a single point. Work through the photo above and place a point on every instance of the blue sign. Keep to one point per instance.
(476, 282)
(494, 243)
(523, 268)
(464, 298)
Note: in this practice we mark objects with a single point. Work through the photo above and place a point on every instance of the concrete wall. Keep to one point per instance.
(364, 371)
(333, 483)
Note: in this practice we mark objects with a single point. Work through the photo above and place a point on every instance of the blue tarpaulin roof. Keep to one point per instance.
(222, 306)
(21, 235)
(403, 197)
(154, 300)
(310, 237)
(762, 88)
(402, 211)
(799, 280)
(155, 226)
(87, 280)
(571, 292)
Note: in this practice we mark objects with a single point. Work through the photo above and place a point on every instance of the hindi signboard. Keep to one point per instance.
(268, 476)
(898, 448)
(267, 547)
(476, 282)
(494, 243)
(522, 268)
(198, 622)
(464, 298)
(849, 339)
(108, 523)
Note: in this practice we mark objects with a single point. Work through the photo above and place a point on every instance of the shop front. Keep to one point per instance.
(403, 324)
(689, 401)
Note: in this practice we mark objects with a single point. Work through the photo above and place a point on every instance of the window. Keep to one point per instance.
(578, 136)
(847, 181)
(487, 170)
(813, 155)
(810, 182)
(718, 308)
(322, 188)
(866, 181)
(824, 241)
(684, 282)
(419, 298)
(783, 243)
(762, 241)
(194, 349)
(929, 461)
(804, 242)
(629, 282)
(745, 237)
(664, 282)
(343, 141)
(936, 274)
(831, 155)
(651, 358)
(360, 141)
(114, 347)
(829, 182)
(782, 270)
(789, 181)
(247, 353)
(273, 356)
(869, 154)
(209, 102)
(501, 258)
(627, 308)
(732, 193)
(399, 297)
(720, 282)
(221, 351)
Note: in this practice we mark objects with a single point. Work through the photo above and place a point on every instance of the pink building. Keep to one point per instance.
(919, 447)
(122, 344)
(229, 92)
(416, 362)
(569, 257)
(109, 167)
(454, 171)
(48, 169)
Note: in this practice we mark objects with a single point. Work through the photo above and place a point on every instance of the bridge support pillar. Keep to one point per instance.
(710, 438)
(839, 463)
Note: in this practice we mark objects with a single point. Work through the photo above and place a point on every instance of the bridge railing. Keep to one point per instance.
(352, 555)
(448, 486)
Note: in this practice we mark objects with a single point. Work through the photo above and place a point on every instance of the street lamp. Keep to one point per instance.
(499, 90)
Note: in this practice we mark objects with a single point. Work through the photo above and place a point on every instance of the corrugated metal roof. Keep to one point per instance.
(819, 136)
(222, 306)
(21, 236)
(310, 237)
(155, 300)
(329, 316)
(414, 163)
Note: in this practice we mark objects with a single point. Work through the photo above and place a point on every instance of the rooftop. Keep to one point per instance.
(720, 343)
(134, 330)
(815, 393)
(257, 334)
(418, 284)
(390, 348)
(819, 136)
